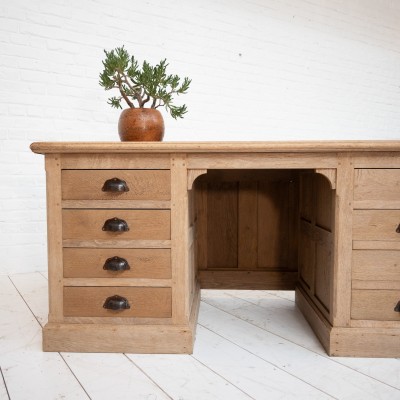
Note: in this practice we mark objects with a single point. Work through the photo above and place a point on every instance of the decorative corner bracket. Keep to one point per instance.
(330, 174)
(192, 174)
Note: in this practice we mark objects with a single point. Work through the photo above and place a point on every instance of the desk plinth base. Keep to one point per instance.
(349, 342)
(110, 338)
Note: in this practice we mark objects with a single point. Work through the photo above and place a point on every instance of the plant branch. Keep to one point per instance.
(123, 94)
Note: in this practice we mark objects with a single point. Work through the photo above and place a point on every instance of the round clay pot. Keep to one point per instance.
(141, 124)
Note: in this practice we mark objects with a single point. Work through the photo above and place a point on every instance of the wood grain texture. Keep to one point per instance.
(143, 224)
(237, 279)
(131, 338)
(144, 301)
(359, 342)
(189, 147)
(180, 240)
(54, 236)
(114, 161)
(376, 265)
(115, 204)
(377, 184)
(379, 225)
(142, 184)
(341, 285)
(144, 263)
(377, 305)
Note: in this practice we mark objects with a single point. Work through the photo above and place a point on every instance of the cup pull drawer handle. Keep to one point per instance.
(116, 303)
(115, 225)
(397, 308)
(116, 264)
(398, 229)
(115, 185)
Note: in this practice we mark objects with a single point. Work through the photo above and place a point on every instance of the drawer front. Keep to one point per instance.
(142, 184)
(377, 305)
(376, 265)
(376, 225)
(377, 184)
(93, 263)
(142, 224)
(144, 302)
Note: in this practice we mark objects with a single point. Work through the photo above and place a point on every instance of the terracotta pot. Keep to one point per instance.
(141, 124)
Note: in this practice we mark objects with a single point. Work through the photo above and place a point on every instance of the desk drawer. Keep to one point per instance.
(381, 225)
(143, 302)
(377, 184)
(376, 265)
(92, 263)
(142, 224)
(375, 305)
(141, 184)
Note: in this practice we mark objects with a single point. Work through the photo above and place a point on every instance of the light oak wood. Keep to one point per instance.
(377, 204)
(143, 224)
(117, 243)
(115, 161)
(376, 305)
(143, 301)
(144, 263)
(260, 161)
(342, 253)
(330, 174)
(116, 281)
(180, 240)
(359, 342)
(379, 225)
(376, 265)
(54, 236)
(142, 184)
(117, 338)
(145, 204)
(376, 184)
(222, 147)
(193, 174)
(231, 218)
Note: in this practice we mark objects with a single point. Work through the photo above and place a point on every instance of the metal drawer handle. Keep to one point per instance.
(115, 185)
(397, 308)
(398, 229)
(115, 225)
(116, 303)
(116, 264)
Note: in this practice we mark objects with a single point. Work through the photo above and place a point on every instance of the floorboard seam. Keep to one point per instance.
(5, 384)
(148, 376)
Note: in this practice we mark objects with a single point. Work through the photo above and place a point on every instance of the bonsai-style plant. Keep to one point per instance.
(143, 89)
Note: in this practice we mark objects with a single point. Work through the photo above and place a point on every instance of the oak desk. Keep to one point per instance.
(136, 229)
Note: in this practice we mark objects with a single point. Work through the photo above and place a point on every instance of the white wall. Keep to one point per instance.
(261, 70)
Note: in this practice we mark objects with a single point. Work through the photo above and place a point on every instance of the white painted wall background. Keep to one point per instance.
(261, 70)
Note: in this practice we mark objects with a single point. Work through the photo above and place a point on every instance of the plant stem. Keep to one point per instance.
(123, 94)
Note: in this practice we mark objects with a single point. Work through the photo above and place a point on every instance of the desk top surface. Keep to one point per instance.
(217, 147)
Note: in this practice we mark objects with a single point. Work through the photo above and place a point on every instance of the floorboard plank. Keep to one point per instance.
(255, 376)
(321, 372)
(28, 372)
(183, 377)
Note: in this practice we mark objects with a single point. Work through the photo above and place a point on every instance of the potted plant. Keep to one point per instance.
(144, 90)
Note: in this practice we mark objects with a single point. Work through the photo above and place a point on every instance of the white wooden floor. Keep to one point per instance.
(249, 345)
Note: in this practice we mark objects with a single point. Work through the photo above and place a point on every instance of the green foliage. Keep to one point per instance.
(139, 86)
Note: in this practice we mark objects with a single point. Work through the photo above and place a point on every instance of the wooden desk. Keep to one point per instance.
(322, 218)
